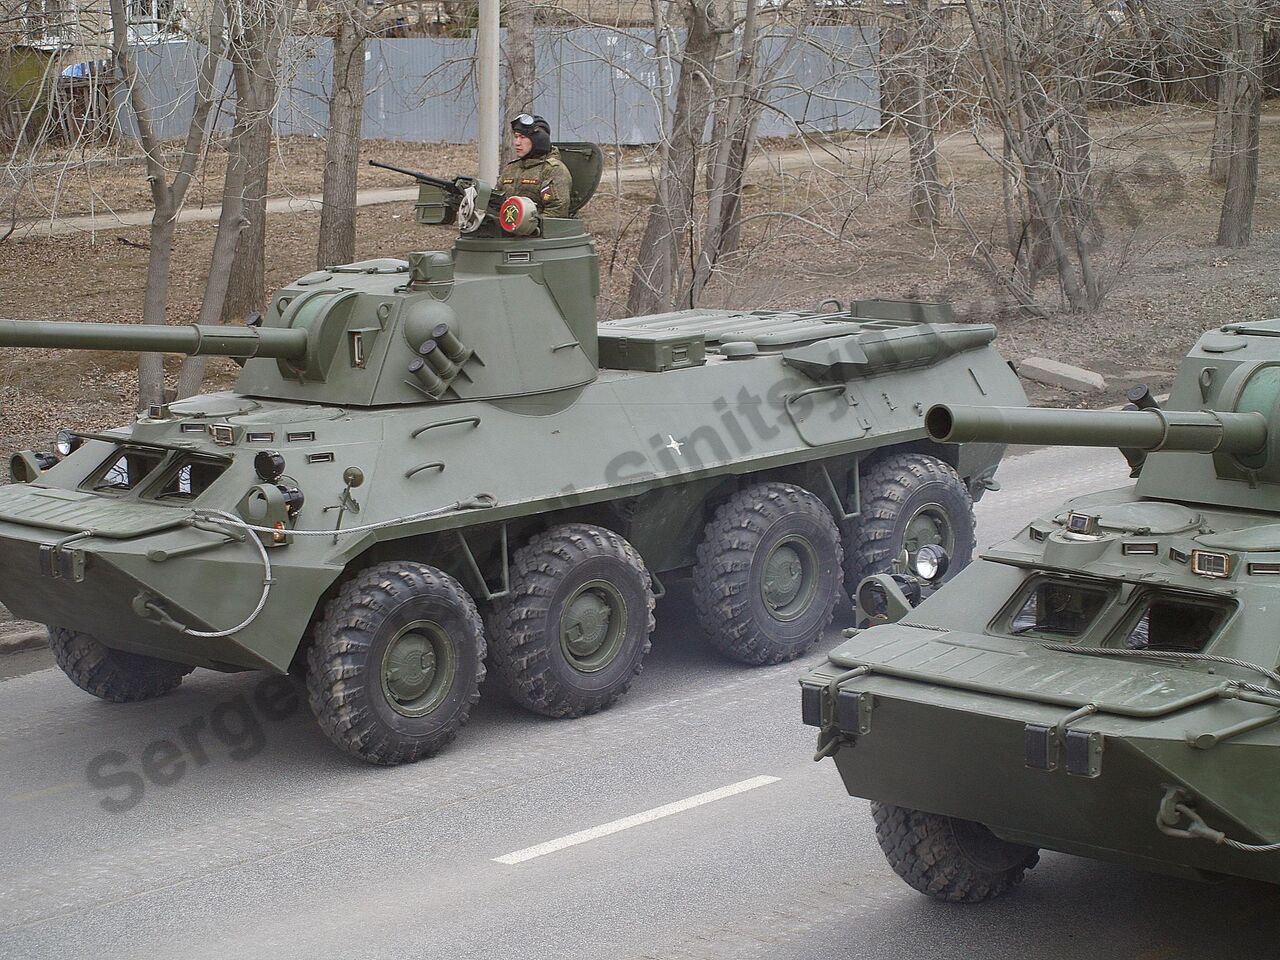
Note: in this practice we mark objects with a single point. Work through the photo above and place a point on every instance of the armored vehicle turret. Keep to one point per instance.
(440, 463)
(1104, 684)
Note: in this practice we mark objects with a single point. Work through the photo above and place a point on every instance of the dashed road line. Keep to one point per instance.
(635, 820)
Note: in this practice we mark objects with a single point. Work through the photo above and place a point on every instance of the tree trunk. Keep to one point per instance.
(735, 181)
(337, 242)
(155, 302)
(1220, 152)
(519, 51)
(657, 274)
(1236, 222)
(231, 223)
(921, 118)
(165, 196)
(722, 172)
(257, 63)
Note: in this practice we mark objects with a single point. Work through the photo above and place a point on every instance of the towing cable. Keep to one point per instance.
(481, 501)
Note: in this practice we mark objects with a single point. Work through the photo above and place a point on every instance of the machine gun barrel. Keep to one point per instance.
(1199, 431)
(447, 185)
(192, 339)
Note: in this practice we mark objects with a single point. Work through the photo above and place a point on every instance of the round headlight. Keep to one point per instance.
(65, 443)
(930, 562)
(269, 465)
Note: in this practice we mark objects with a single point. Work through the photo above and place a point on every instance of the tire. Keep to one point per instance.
(572, 634)
(397, 663)
(949, 859)
(767, 578)
(907, 500)
(110, 674)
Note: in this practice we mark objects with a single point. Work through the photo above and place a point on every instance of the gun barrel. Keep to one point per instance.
(1151, 430)
(447, 185)
(192, 339)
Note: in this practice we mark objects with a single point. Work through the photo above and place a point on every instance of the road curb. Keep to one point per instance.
(25, 639)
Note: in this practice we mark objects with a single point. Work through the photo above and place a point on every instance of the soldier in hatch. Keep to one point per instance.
(537, 171)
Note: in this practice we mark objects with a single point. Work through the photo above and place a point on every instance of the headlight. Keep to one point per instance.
(269, 465)
(930, 563)
(66, 443)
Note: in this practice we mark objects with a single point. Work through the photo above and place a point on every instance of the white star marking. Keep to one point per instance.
(674, 444)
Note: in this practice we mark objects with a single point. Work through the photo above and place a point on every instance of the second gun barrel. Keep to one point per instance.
(1198, 431)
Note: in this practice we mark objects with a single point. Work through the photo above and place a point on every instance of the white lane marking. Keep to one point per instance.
(635, 820)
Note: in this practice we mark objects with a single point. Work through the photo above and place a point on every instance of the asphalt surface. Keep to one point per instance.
(266, 842)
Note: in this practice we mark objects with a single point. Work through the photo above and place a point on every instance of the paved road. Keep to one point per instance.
(268, 843)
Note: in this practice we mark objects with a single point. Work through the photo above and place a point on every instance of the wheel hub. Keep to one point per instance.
(417, 668)
(789, 578)
(783, 577)
(592, 626)
(929, 524)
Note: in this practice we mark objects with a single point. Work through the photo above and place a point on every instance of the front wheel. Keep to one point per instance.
(111, 674)
(947, 858)
(907, 500)
(397, 663)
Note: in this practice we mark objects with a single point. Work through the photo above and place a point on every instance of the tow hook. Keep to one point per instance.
(1177, 818)
(147, 606)
(831, 737)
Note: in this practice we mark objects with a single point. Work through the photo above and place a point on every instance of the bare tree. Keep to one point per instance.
(1226, 77)
(1244, 110)
(337, 241)
(258, 28)
(1034, 58)
(519, 54)
(921, 114)
(166, 195)
(237, 263)
(658, 273)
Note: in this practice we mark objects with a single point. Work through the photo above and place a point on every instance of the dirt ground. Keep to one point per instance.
(836, 230)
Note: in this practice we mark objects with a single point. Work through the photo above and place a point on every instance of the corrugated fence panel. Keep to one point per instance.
(599, 85)
(593, 84)
(827, 81)
(303, 106)
(420, 89)
(167, 80)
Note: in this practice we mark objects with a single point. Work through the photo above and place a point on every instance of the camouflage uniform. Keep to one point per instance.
(544, 180)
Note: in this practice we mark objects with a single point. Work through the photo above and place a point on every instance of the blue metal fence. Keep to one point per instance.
(593, 84)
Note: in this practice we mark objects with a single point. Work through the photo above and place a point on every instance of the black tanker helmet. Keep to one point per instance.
(537, 130)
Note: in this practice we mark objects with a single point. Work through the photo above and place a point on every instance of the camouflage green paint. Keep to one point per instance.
(507, 402)
(954, 688)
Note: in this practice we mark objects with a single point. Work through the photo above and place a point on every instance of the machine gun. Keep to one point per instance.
(469, 202)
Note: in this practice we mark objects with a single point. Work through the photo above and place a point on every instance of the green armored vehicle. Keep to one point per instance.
(1104, 684)
(433, 464)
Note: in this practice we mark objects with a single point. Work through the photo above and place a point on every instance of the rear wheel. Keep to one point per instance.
(768, 574)
(573, 632)
(947, 858)
(907, 500)
(397, 663)
(112, 674)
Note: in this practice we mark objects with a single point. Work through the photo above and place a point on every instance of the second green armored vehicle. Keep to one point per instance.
(439, 462)
(1104, 684)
